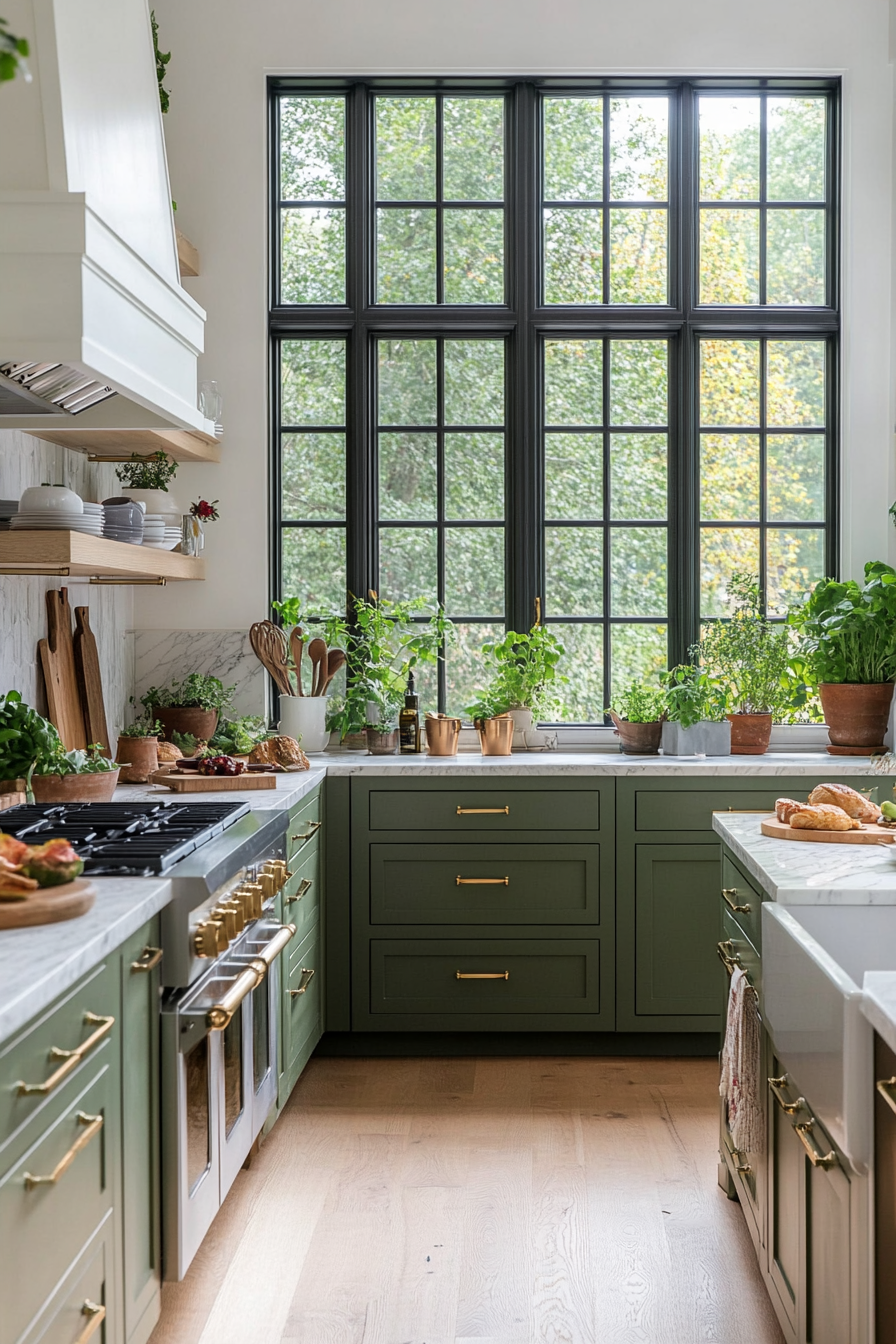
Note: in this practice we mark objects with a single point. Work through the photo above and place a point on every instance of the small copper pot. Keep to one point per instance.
(442, 735)
(495, 735)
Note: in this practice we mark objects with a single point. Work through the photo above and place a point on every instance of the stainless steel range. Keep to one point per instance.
(221, 942)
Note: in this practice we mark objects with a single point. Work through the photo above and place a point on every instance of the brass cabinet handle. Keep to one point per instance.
(885, 1087)
(483, 975)
(314, 826)
(148, 961)
(805, 1134)
(71, 1058)
(96, 1314)
(728, 956)
(482, 881)
(788, 1107)
(729, 896)
(306, 971)
(743, 1167)
(302, 890)
(250, 977)
(93, 1124)
(483, 811)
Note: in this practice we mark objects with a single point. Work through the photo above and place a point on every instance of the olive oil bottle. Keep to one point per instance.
(409, 721)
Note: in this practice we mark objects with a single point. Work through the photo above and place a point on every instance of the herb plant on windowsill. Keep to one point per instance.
(695, 706)
(524, 678)
(639, 713)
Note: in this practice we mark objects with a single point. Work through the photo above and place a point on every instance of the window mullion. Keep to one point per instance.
(361, 546)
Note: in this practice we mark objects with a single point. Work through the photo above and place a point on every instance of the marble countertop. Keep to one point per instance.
(291, 789)
(547, 763)
(879, 1003)
(803, 873)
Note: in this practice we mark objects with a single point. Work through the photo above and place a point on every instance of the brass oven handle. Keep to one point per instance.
(96, 1315)
(788, 1107)
(729, 896)
(743, 1167)
(483, 975)
(805, 1134)
(314, 826)
(483, 811)
(148, 961)
(271, 951)
(294, 993)
(885, 1087)
(94, 1124)
(482, 881)
(71, 1058)
(302, 890)
(250, 977)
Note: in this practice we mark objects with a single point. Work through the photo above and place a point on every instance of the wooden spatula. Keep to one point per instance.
(317, 652)
(335, 661)
(269, 645)
(297, 645)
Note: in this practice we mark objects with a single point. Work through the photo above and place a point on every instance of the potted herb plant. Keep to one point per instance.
(847, 648)
(146, 480)
(138, 750)
(639, 712)
(523, 679)
(189, 707)
(25, 738)
(75, 776)
(695, 707)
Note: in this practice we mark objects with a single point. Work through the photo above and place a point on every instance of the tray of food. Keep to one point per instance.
(41, 884)
(833, 814)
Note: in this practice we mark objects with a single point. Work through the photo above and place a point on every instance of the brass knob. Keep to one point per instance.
(255, 896)
(281, 873)
(237, 908)
(210, 938)
(268, 885)
(227, 914)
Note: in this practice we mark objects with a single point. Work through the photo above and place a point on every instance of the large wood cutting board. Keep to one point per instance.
(57, 660)
(190, 781)
(869, 835)
(48, 905)
(90, 684)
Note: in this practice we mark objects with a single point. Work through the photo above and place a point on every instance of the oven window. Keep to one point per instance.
(198, 1137)
(233, 1072)
(261, 1034)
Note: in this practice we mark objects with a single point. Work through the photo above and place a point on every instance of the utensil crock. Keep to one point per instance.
(304, 717)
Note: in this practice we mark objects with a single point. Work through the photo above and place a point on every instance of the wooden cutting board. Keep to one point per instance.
(57, 659)
(189, 781)
(90, 682)
(48, 905)
(869, 835)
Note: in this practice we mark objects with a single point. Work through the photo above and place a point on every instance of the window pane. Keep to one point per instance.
(638, 560)
(463, 664)
(474, 256)
(795, 256)
(795, 477)
(407, 563)
(795, 563)
(407, 382)
(572, 256)
(313, 475)
(474, 571)
(573, 476)
(474, 476)
(574, 570)
(796, 129)
(573, 149)
(638, 265)
(639, 149)
(474, 382)
(729, 149)
(573, 392)
(405, 256)
(729, 383)
(473, 168)
(637, 653)
(795, 383)
(729, 256)
(405, 149)
(407, 476)
(312, 376)
(312, 254)
(729, 477)
(638, 487)
(639, 377)
(312, 149)
(724, 550)
(583, 663)
(314, 565)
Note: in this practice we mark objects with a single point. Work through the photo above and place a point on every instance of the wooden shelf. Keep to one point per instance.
(117, 445)
(187, 256)
(74, 553)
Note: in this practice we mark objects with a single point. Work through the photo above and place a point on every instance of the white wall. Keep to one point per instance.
(216, 135)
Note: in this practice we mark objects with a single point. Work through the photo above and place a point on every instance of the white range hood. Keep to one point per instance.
(96, 332)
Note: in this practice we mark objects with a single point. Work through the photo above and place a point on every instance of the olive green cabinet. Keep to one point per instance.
(302, 971)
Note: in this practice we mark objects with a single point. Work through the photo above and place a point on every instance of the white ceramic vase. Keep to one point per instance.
(156, 501)
(304, 717)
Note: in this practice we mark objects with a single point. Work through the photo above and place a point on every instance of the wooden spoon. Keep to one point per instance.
(297, 645)
(269, 645)
(317, 652)
(335, 661)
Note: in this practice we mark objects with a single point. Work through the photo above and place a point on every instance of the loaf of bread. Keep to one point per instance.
(785, 808)
(823, 818)
(168, 752)
(279, 751)
(854, 804)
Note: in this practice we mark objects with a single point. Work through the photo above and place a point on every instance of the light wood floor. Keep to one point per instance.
(488, 1201)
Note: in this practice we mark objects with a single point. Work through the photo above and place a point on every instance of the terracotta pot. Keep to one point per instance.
(638, 739)
(495, 735)
(382, 744)
(750, 733)
(176, 719)
(856, 715)
(138, 758)
(97, 788)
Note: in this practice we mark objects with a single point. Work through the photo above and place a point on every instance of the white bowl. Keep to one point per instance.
(46, 498)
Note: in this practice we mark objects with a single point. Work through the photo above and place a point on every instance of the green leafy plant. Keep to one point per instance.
(145, 727)
(25, 738)
(88, 762)
(847, 631)
(162, 59)
(750, 656)
(13, 53)
(185, 742)
(640, 703)
(147, 473)
(693, 696)
(524, 674)
(238, 736)
(196, 691)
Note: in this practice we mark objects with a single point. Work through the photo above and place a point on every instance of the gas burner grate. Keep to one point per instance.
(126, 839)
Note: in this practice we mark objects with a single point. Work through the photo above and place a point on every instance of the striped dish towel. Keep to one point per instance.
(739, 1084)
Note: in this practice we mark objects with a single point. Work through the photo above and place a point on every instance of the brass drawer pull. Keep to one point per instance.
(482, 881)
(313, 827)
(727, 955)
(148, 961)
(483, 811)
(729, 896)
(885, 1087)
(483, 975)
(294, 993)
(96, 1314)
(788, 1107)
(302, 890)
(739, 1165)
(805, 1134)
(72, 1058)
(94, 1124)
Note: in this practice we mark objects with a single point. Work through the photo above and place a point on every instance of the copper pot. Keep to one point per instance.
(442, 735)
(856, 716)
(750, 733)
(138, 758)
(495, 735)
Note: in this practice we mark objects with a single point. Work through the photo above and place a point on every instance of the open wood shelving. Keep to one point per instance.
(117, 445)
(67, 554)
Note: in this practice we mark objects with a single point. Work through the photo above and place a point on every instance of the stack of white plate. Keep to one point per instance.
(159, 533)
(60, 520)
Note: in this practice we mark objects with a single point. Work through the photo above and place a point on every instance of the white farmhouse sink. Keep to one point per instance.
(814, 959)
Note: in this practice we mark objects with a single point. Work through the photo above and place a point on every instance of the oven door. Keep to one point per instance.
(191, 1191)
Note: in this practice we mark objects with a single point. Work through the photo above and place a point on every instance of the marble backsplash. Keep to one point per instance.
(162, 656)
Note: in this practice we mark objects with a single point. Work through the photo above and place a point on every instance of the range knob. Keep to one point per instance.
(237, 907)
(210, 938)
(267, 882)
(283, 873)
(226, 914)
(253, 895)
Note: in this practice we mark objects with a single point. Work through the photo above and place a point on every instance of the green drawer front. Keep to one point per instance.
(470, 811)
(65, 1026)
(301, 895)
(542, 976)
(303, 829)
(740, 892)
(43, 1229)
(737, 945)
(70, 1310)
(484, 884)
(657, 810)
(303, 994)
